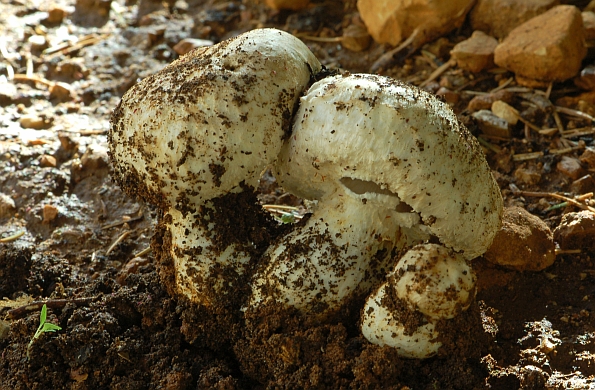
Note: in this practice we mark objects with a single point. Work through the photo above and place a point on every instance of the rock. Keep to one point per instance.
(50, 212)
(484, 102)
(37, 122)
(524, 243)
(61, 92)
(356, 38)
(499, 17)
(583, 185)
(449, 96)
(288, 4)
(527, 175)
(576, 231)
(476, 53)
(586, 79)
(588, 157)
(549, 47)
(505, 111)
(390, 21)
(94, 159)
(490, 124)
(570, 167)
(55, 15)
(187, 44)
(47, 161)
(7, 206)
(589, 24)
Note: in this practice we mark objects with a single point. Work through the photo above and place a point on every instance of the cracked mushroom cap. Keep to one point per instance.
(210, 120)
(373, 134)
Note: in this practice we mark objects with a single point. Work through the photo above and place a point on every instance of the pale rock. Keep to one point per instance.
(499, 17)
(524, 242)
(491, 125)
(576, 231)
(390, 21)
(570, 167)
(589, 24)
(549, 47)
(484, 102)
(47, 161)
(37, 122)
(505, 111)
(476, 53)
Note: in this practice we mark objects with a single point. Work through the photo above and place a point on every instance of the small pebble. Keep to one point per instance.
(570, 167)
(47, 161)
(50, 212)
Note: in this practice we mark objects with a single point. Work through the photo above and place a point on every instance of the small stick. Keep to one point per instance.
(13, 237)
(122, 222)
(320, 39)
(570, 111)
(36, 79)
(567, 251)
(387, 58)
(119, 240)
(21, 311)
(438, 72)
(573, 202)
(504, 85)
(143, 252)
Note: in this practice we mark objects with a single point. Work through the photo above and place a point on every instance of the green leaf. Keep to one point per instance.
(44, 313)
(49, 327)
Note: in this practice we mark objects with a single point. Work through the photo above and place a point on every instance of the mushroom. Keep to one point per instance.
(194, 138)
(390, 167)
(429, 283)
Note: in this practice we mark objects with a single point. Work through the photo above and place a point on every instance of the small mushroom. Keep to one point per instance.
(390, 167)
(429, 283)
(194, 137)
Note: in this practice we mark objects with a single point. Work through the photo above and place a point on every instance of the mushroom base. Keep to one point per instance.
(237, 220)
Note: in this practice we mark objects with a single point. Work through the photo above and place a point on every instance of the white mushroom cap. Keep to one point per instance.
(199, 131)
(383, 326)
(210, 120)
(384, 136)
(434, 280)
(429, 283)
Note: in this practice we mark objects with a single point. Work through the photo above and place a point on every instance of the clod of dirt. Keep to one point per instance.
(524, 243)
(15, 266)
(576, 231)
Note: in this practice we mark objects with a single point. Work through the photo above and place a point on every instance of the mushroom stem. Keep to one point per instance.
(341, 250)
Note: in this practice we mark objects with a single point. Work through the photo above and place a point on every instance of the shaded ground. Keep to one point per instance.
(121, 330)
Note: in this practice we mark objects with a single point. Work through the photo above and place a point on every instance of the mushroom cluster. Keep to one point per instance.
(388, 165)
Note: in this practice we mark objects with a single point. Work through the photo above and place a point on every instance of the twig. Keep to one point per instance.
(119, 240)
(438, 72)
(143, 252)
(388, 58)
(576, 113)
(567, 251)
(574, 202)
(320, 39)
(13, 237)
(502, 86)
(22, 311)
(122, 222)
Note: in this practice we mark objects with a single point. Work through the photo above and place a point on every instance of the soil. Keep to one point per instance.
(122, 328)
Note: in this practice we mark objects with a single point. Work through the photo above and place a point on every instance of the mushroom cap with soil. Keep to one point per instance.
(429, 283)
(201, 131)
(391, 167)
